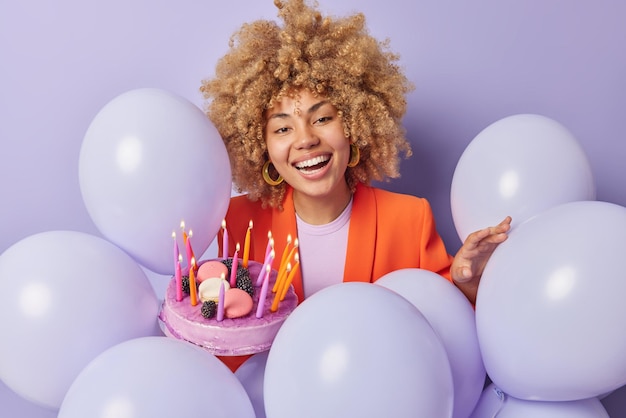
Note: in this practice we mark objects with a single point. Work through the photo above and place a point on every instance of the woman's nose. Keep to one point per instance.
(307, 138)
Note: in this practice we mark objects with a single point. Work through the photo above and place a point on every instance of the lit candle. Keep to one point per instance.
(179, 280)
(267, 263)
(283, 259)
(224, 241)
(220, 302)
(246, 246)
(281, 269)
(192, 285)
(176, 251)
(233, 269)
(270, 245)
(266, 281)
(190, 255)
(287, 283)
(274, 307)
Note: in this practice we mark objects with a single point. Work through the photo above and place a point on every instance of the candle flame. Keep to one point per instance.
(289, 239)
(223, 223)
(295, 243)
(269, 234)
(174, 234)
(297, 257)
(180, 258)
(182, 225)
(190, 233)
(223, 276)
(250, 224)
(237, 247)
(273, 253)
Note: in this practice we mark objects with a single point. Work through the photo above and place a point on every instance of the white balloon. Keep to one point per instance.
(251, 374)
(357, 350)
(452, 317)
(149, 160)
(495, 403)
(550, 306)
(518, 166)
(65, 297)
(156, 377)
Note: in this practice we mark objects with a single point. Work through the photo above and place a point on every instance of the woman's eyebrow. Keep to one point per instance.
(316, 106)
(312, 109)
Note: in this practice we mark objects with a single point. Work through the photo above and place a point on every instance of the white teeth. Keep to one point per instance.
(313, 161)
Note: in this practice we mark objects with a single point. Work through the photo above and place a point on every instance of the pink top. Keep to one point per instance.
(322, 251)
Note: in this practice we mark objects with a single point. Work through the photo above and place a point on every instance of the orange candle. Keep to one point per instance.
(246, 246)
(289, 279)
(192, 285)
(276, 300)
(283, 264)
(283, 259)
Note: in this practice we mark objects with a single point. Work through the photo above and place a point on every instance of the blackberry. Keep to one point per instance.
(209, 309)
(245, 283)
(241, 271)
(185, 284)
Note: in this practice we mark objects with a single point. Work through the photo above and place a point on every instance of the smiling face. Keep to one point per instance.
(306, 143)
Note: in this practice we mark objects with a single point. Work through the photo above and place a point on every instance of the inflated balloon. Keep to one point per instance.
(13, 405)
(452, 317)
(149, 160)
(518, 166)
(251, 374)
(550, 306)
(495, 403)
(357, 350)
(156, 377)
(65, 297)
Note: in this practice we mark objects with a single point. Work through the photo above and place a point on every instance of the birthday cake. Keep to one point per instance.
(230, 324)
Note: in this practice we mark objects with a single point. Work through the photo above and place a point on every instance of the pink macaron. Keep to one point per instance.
(211, 268)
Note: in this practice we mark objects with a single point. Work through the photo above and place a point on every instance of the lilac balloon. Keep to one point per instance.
(550, 306)
(149, 160)
(64, 298)
(452, 317)
(357, 350)
(13, 405)
(251, 374)
(495, 403)
(518, 166)
(156, 377)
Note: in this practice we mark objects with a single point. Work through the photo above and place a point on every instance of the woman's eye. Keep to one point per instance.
(323, 119)
(281, 130)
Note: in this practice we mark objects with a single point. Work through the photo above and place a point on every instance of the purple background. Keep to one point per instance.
(472, 63)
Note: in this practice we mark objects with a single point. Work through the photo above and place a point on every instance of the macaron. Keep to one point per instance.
(237, 303)
(209, 289)
(211, 268)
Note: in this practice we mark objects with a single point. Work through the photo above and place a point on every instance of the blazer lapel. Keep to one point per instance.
(361, 236)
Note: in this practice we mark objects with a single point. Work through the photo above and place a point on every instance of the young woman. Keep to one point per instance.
(310, 113)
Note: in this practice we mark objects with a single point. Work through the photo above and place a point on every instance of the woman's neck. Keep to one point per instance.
(316, 210)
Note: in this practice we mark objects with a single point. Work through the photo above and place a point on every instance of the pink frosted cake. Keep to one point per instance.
(231, 336)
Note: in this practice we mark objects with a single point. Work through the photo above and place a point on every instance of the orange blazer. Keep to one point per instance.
(388, 231)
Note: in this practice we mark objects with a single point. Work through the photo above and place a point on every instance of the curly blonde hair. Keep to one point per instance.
(332, 57)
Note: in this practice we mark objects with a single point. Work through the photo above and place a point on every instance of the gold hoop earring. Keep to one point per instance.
(355, 156)
(266, 175)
